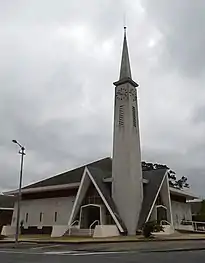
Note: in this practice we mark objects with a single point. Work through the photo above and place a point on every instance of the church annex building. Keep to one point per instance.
(107, 197)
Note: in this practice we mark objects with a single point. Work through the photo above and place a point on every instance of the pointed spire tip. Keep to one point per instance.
(125, 69)
(125, 31)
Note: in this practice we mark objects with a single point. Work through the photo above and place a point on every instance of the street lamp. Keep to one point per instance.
(22, 152)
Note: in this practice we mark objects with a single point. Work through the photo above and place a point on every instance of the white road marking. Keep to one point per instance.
(42, 247)
(83, 253)
(59, 252)
(99, 253)
(64, 253)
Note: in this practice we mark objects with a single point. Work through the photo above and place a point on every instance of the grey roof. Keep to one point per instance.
(103, 169)
(155, 178)
(74, 176)
(98, 176)
(6, 201)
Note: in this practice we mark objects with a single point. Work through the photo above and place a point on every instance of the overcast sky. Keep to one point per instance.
(58, 60)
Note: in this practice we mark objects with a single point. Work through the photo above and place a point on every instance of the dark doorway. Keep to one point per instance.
(161, 214)
(89, 214)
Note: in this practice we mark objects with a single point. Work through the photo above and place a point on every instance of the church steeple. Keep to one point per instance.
(126, 163)
(125, 68)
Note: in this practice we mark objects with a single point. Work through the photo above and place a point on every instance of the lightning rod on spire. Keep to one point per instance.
(124, 23)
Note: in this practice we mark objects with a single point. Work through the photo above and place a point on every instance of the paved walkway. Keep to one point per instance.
(142, 247)
(77, 240)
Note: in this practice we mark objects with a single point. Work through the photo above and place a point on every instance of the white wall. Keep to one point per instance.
(180, 211)
(48, 207)
(106, 231)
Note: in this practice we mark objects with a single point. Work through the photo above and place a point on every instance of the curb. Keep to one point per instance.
(101, 241)
(173, 250)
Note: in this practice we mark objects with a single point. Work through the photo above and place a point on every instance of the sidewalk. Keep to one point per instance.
(106, 247)
(45, 239)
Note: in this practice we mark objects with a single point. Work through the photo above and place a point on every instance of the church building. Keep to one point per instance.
(107, 197)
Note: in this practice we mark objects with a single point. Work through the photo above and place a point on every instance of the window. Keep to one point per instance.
(159, 200)
(177, 219)
(26, 217)
(121, 115)
(134, 116)
(41, 215)
(56, 216)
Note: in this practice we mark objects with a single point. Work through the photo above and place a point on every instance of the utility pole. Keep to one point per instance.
(22, 153)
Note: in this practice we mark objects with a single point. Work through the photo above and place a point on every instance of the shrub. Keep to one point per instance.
(150, 227)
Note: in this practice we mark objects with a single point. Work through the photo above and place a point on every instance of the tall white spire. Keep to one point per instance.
(127, 185)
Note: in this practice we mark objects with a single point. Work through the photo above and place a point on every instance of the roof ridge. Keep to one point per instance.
(93, 163)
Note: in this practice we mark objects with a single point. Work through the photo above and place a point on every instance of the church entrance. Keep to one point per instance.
(89, 214)
(161, 213)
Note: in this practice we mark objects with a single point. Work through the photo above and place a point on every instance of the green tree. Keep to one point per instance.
(173, 181)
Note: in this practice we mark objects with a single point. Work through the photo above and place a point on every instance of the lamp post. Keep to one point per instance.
(22, 153)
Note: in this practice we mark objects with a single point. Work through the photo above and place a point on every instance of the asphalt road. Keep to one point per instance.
(103, 257)
(136, 252)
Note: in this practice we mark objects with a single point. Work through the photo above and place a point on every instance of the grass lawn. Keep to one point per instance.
(77, 239)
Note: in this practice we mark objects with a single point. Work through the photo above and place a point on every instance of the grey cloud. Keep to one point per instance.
(48, 98)
(53, 13)
(172, 93)
(181, 24)
(199, 115)
(56, 92)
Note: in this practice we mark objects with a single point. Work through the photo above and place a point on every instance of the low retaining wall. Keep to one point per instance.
(59, 231)
(8, 231)
(106, 231)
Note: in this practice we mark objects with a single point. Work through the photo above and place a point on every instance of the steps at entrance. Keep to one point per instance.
(80, 232)
(167, 230)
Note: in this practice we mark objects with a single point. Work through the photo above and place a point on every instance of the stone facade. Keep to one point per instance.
(45, 212)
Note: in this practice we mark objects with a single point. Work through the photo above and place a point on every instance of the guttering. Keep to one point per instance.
(182, 192)
(6, 208)
(45, 188)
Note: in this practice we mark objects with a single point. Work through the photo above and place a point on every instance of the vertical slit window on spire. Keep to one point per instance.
(134, 116)
(26, 217)
(121, 115)
(41, 215)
